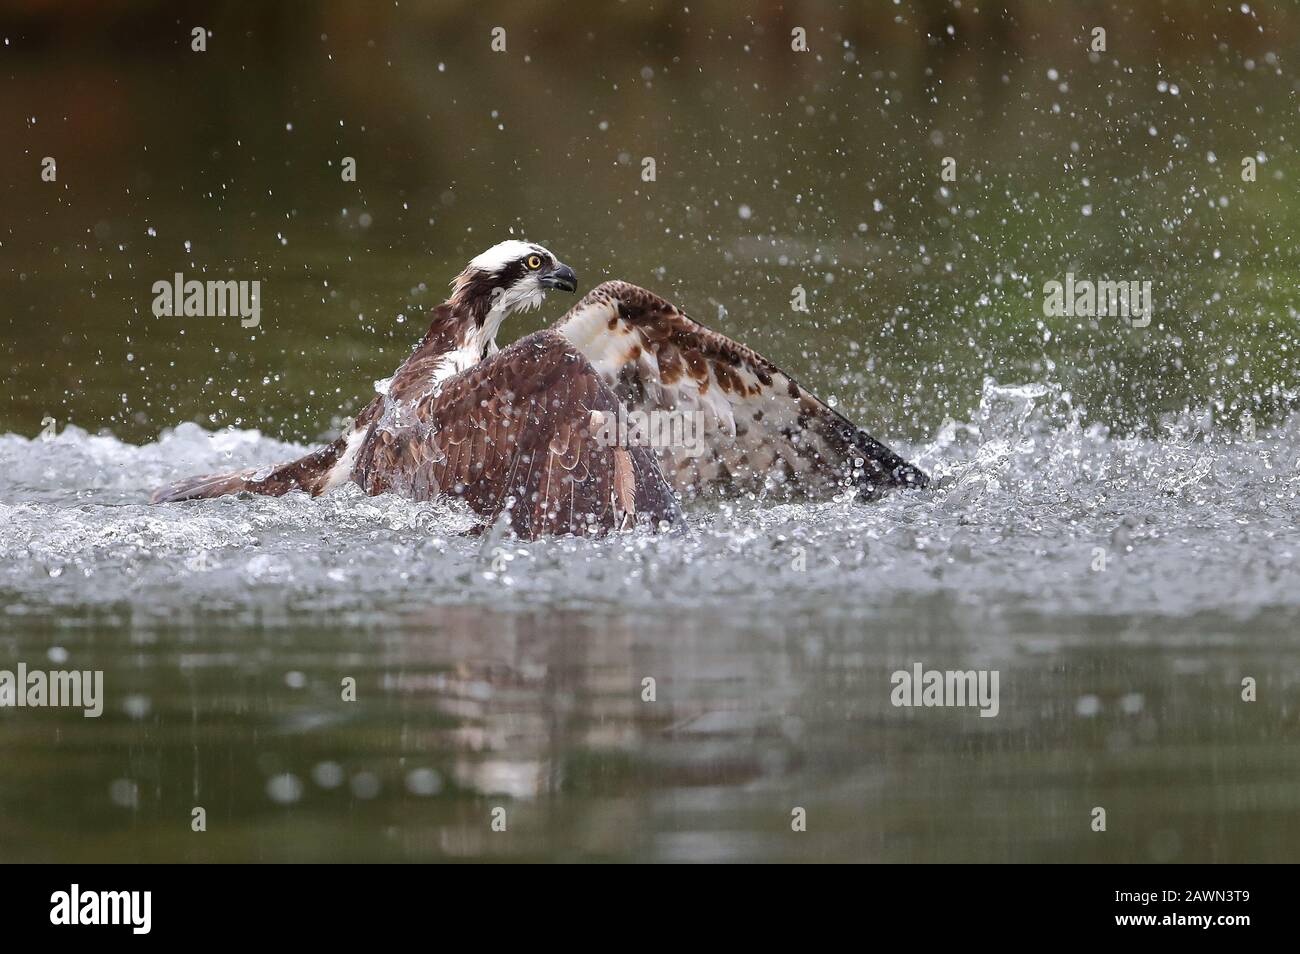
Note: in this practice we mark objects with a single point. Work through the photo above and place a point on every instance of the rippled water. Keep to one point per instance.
(1123, 588)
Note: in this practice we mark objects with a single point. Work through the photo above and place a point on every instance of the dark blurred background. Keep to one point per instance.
(774, 169)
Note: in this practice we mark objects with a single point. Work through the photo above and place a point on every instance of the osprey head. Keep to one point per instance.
(509, 277)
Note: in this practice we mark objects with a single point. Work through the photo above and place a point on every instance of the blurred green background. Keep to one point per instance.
(774, 169)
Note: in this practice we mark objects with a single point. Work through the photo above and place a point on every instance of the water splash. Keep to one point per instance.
(1029, 503)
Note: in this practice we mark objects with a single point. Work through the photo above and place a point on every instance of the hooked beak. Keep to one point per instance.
(561, 277)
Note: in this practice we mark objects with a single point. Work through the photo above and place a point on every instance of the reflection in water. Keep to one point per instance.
(462, 711)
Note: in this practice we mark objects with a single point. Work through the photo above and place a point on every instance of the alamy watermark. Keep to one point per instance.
(923, 687)
(59, 688)
(130, 908)
(680, 430)
(1084, 298)
(210, 299)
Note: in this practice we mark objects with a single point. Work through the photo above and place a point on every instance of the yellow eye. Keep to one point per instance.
(534, 261)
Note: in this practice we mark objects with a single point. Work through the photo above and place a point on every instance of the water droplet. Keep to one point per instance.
(327, 774)
(284, 788)
(423, 781)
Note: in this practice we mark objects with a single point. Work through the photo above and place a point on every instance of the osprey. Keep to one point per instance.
(524, 431)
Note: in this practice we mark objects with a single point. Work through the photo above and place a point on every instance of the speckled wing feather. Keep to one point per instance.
(763, 433)
(326, 468)
(308, 474)
(520, 432)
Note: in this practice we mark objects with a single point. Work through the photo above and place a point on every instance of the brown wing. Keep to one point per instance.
(762, 432)
(524, 432)
(309, 474)
(323, 469)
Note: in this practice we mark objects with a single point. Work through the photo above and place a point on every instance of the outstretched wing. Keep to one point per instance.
(330, 466)
(762, 432)
(523, 432)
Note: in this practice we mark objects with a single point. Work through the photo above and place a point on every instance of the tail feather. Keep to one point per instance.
(310, 474)
(886, 469)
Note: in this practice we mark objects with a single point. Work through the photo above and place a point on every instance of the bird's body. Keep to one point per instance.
(526, 430)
